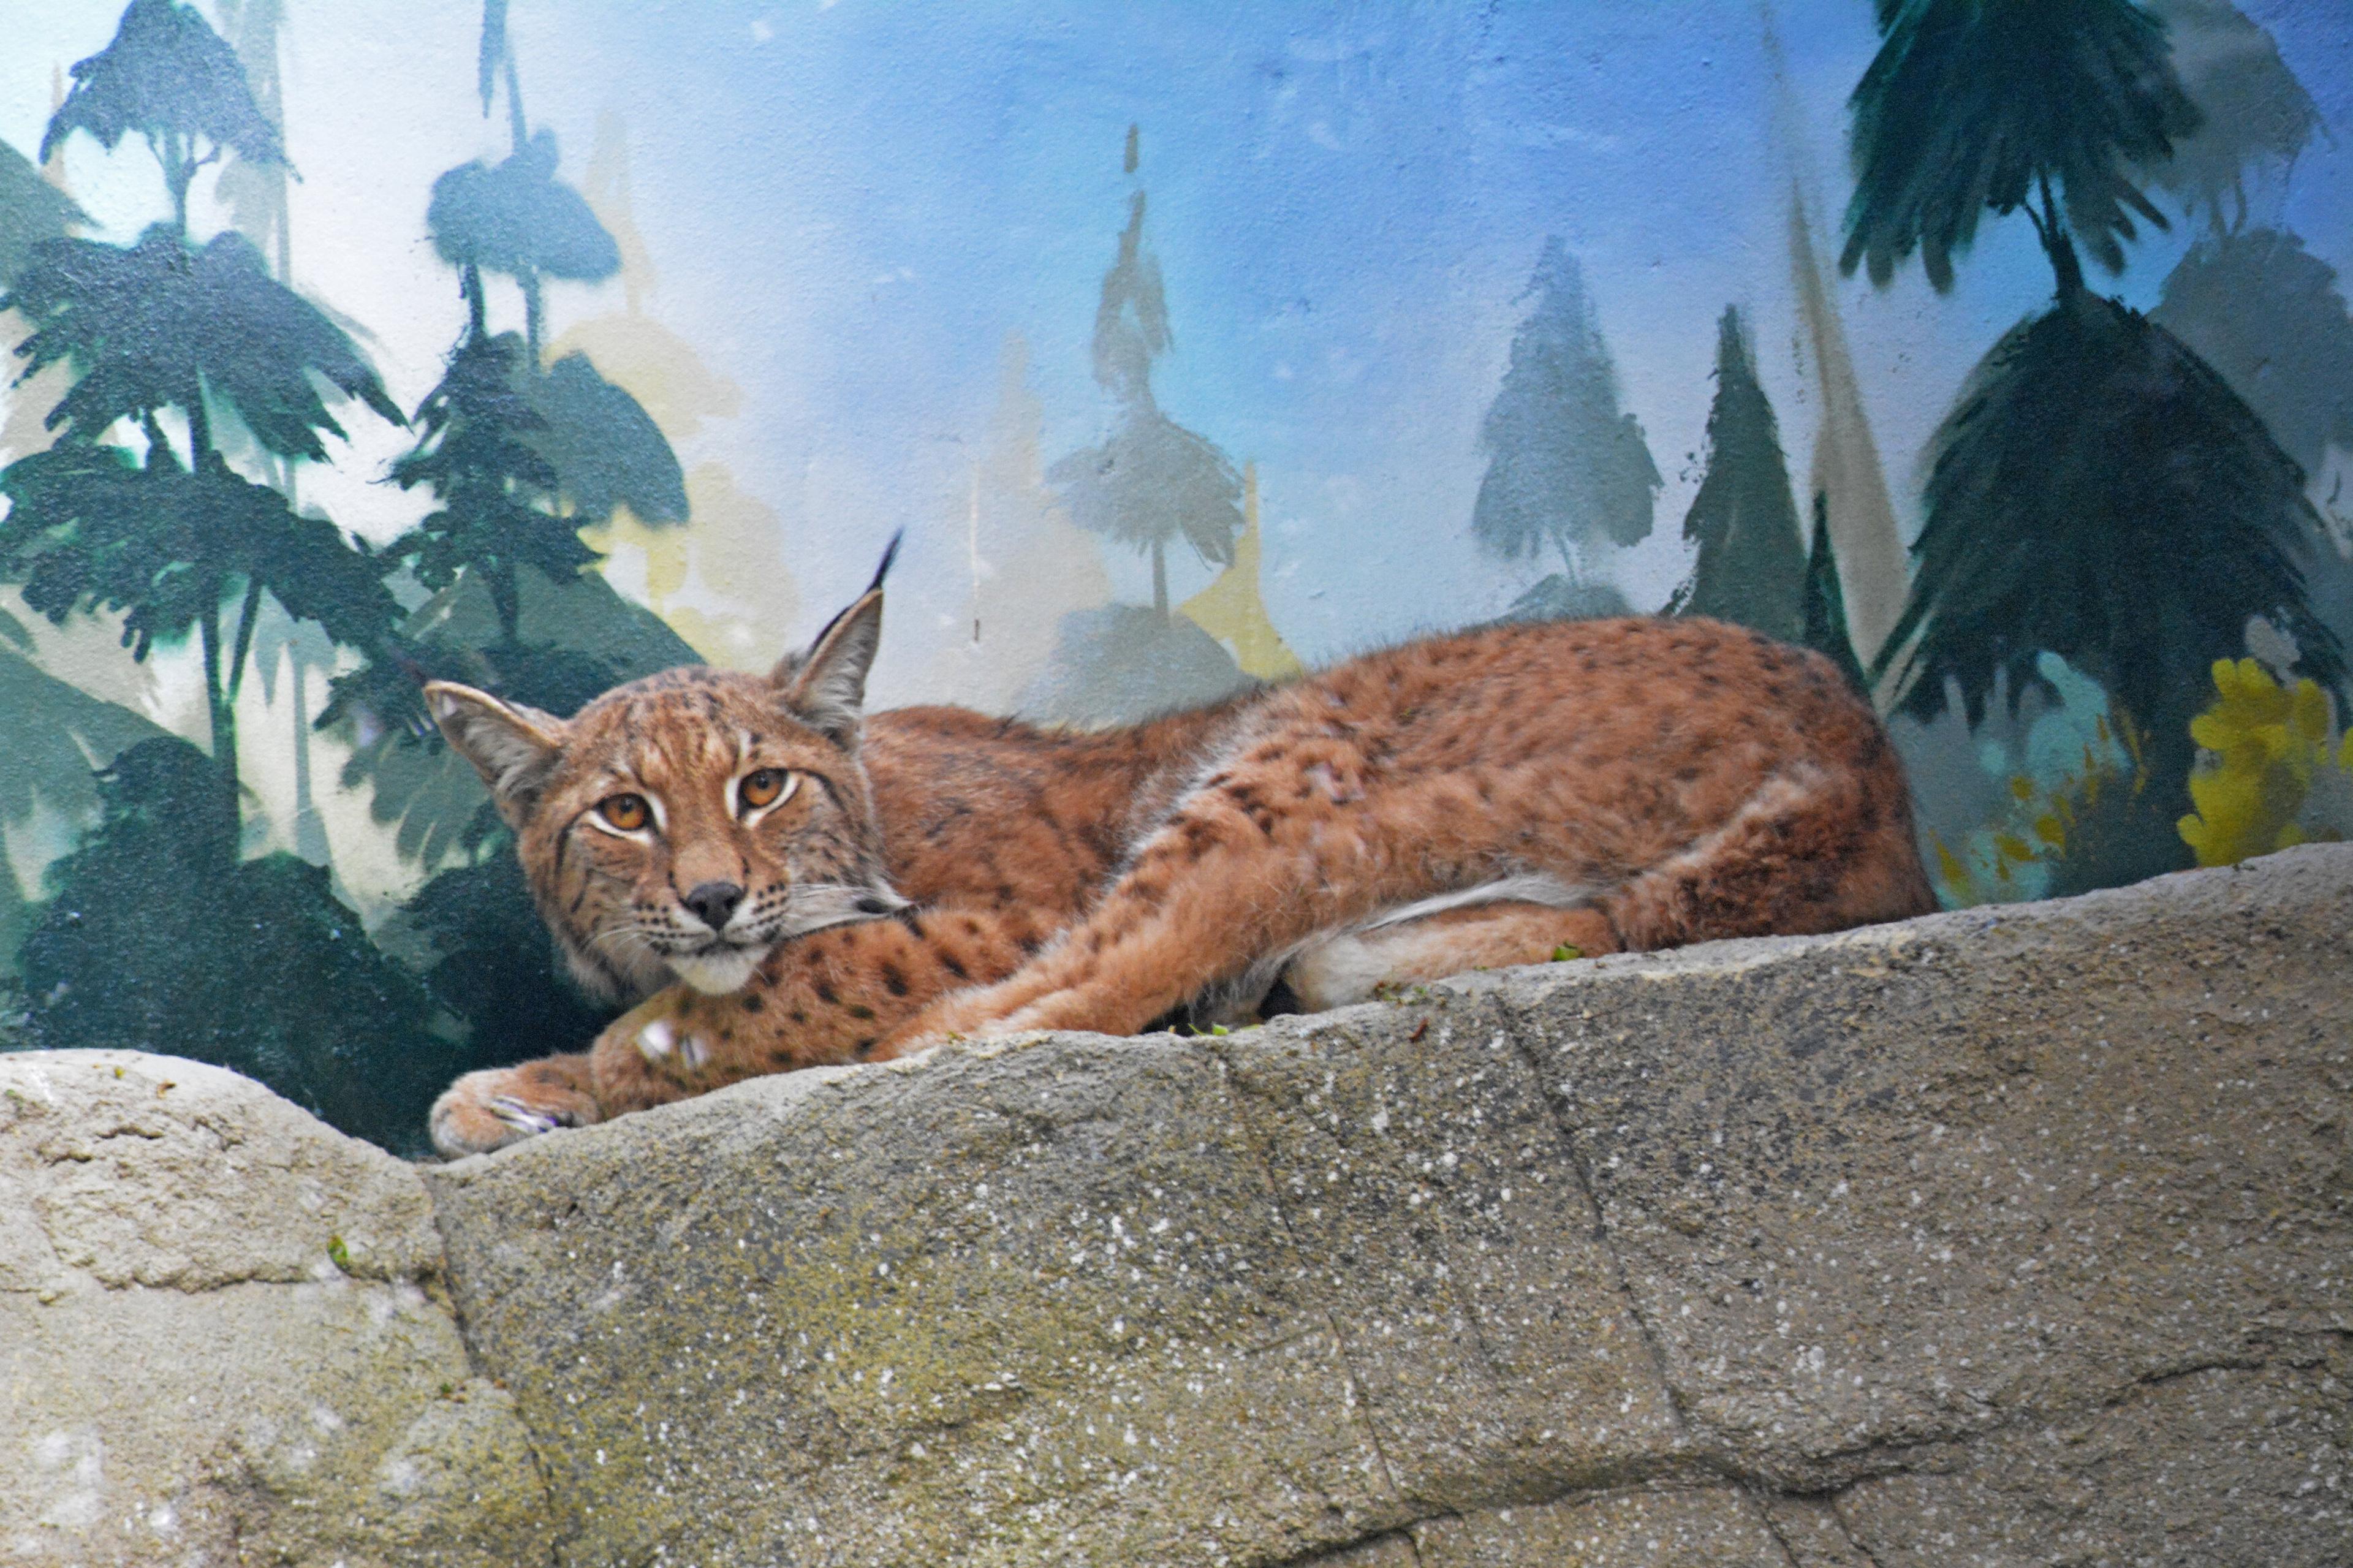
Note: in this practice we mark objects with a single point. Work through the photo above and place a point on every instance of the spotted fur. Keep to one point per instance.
(1474, 800)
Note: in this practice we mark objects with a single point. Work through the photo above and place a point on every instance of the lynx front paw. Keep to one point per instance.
(654, 1052)
(672, 1046)
(489, 1110)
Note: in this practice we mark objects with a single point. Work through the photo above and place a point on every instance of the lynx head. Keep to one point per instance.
(679, 826)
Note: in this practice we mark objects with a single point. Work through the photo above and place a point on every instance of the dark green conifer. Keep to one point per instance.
(31, 210)
(200, 332)
(157, 932)
(1825, 629)
(157, 936)
(1752, 564)
(2098, 491)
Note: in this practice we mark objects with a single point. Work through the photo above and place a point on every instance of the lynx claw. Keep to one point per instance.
(520, 1117)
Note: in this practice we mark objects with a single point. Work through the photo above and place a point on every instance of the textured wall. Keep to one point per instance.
(1188, 342)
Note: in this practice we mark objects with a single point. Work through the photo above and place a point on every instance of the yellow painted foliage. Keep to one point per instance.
(1989, 868)
(2265, 747)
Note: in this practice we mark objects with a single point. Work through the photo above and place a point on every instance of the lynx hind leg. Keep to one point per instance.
(491, 1108)
(1354, 966)
(1811, 850)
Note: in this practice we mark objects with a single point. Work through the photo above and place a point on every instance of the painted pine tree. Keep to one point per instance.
(1751, 566)
(2271, 317)
(56, 730)
(1153, 483)
(1825, 628)
(1568, 469)
(165, 532)
(157, 931)
(2258, 118)
(519, 456)
(31, 210)
(2098, 491)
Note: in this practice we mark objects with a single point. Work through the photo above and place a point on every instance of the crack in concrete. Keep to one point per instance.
(1876, 1459)
(2176, 1373)
(1764, 1497)
(1846, 1529)
(563, 1535)
(1772, 1526)
(1330, 1554)
(1756, 1496)
(1968, 1444)
(1517, 1027)
(1265, 1158)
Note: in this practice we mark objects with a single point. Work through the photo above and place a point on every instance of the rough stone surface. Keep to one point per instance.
(1655, 1527)
(1786, 1251)
(1005, 1306)
(222, 1338)
(2002, 1237)
(2215, 1465)
(138, 1169)
(1427, 1190)
(1924, 1179)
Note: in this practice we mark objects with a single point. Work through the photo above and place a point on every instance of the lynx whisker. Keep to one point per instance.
(614, 935)
(815, 906)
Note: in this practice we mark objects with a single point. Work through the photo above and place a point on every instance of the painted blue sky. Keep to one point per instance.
(848, 205)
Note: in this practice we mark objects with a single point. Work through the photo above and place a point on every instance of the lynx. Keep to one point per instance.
(789, 883)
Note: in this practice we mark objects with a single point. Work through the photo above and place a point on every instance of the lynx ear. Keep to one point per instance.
(826, 686)
(514, 748)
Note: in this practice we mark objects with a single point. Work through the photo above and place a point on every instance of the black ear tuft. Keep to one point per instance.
(890, 554)
(826, 686)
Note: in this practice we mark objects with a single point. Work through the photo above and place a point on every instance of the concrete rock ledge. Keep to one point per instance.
(224, 1337)
(2006, 1236)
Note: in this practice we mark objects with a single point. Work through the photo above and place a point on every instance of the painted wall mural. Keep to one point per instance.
(1996, 348)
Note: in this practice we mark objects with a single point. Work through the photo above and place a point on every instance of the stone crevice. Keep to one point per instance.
(1515, 1022)
(1757, 1504)
(1349, 1553)
(2164, 1375)
(478, 1365)
(1853, 1542)
(1357, 1390)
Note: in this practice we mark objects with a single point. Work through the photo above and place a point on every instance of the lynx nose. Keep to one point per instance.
(713, 902)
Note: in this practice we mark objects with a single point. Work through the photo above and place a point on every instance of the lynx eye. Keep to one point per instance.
(626, 812)
(764, 787)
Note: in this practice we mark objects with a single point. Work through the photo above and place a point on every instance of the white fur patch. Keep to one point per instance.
(1338, 972)
(718, 969)
(1347, 965)
(1528, 888)
(815, 906)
